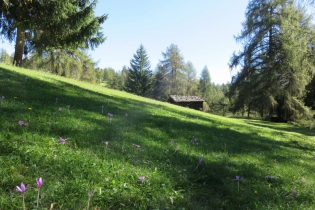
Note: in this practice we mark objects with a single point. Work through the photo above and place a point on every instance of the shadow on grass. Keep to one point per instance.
(282, 127)
(210, 185)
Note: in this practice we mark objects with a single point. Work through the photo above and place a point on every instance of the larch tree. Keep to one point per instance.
(175, 66)
(161, 89)
(205, 87)
(274, 62)
(191, 86)
(139, 77)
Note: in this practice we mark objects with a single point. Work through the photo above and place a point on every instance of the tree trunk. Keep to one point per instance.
(52, 62)
(19, 46)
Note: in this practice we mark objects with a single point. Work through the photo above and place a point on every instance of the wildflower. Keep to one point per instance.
(172, 142)
(239, 179)
(68, 106)
(110, 117)
(255, 192)
(91, 193)
(63, 141)
(29, 108)
(21, 122)
(142, 178)
(39, 182)
(2, 97)
(56, 100)
(21, 189)
(60, 109)
(136, 145)
(176, 148)
(126, 115)
(293, 192)
(270, 177)
(200, 160)
(26, 124)
(106, 143)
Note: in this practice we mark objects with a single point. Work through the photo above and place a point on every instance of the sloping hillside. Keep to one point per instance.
(157, 155)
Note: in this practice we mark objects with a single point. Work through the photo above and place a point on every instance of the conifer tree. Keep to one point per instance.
(275, 67)
(174, 64)
(161, 89)
(50, 25)
(139, 77)
(205, 86)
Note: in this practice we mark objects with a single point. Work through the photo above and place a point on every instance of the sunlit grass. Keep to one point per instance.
(174, 177)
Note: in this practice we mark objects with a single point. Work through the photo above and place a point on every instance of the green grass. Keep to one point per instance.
(251, 149)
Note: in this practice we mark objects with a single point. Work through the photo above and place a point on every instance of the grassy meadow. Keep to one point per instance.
(158, 156)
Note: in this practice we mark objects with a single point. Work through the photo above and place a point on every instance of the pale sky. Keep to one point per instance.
(203, 30)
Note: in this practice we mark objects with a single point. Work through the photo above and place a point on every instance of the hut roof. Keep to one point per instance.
(178, 98)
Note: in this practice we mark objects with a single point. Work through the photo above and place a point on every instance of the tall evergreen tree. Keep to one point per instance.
(191, 79)
(50, 25)
(174, 64)
(274, 61)
(161, 89)
(139, 77)
(205, 86)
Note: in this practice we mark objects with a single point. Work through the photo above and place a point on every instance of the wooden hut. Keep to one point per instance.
(194, 102)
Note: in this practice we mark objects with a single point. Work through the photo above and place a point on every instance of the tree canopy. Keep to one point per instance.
(49, 25)
(275, 66)
(139, 77)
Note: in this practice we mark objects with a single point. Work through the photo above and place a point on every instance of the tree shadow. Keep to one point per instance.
(209, 185)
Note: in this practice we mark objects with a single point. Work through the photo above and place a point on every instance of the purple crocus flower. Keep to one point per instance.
(39, 182)
(200, 160)
(172, 142)
(293, 192)
(136, 145)
(21, 189)
(63, 141)
(21, 122)
(142, 178)
(110, 115)
(2, 97)
(60, 109)
(239, 179)
(106, 143)
(126, 115)
(68, 106)
(91, 193)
